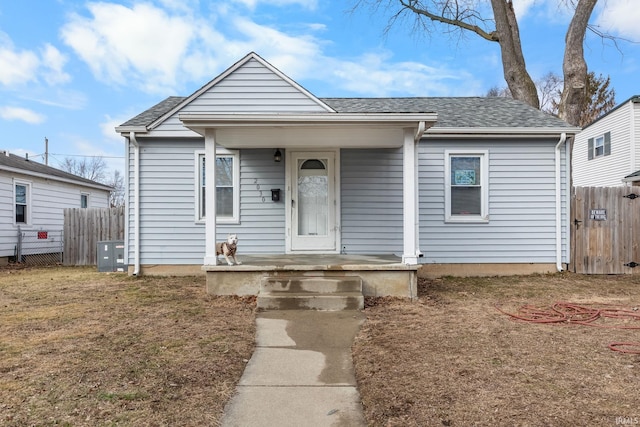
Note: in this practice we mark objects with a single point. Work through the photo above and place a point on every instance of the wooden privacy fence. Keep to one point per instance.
(84, 228)
(605, 230)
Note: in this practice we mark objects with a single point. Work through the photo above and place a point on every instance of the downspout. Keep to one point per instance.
(422, 128)
(563, 139)
(136, 201)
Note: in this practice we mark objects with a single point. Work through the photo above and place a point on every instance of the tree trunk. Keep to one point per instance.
(574, 66)
(515, 71)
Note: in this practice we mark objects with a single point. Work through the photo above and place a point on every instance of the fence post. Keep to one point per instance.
(19, 248)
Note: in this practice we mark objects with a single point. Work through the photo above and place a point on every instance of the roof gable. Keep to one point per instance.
(251, 85)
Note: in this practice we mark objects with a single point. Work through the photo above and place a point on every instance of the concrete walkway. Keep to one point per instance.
(301, 373)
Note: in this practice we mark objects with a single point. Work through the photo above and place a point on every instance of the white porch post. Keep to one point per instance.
(410, 197)
(210, 196)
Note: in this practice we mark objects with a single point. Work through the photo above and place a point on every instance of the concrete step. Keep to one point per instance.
(311, 293)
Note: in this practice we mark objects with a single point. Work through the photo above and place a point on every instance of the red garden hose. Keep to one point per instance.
(566, 312)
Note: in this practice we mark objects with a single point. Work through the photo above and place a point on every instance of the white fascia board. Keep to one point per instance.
(496, 132)
(204, 120)
(56, 178)
(127, 129)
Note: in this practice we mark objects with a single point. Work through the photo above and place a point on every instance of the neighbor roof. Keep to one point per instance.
(16, 163)
(632, 177)
(453, 112)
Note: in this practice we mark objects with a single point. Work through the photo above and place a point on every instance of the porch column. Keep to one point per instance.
(410, 197)
(210, 196)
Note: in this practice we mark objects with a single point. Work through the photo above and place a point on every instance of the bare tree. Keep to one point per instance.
(550, 91)
(501, 26)
(93, 168)
(116, 198)
(598, 100)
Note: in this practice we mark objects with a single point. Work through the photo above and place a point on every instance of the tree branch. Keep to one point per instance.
(441, 18)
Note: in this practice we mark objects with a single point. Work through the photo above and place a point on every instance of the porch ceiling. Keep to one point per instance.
(317, 130)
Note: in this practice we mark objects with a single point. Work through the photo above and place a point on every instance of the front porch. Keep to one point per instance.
(382, 275)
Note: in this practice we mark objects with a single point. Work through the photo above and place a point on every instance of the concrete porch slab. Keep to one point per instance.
(382, 275)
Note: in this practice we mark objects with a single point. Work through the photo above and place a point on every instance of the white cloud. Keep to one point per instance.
(18, 113)
(53, 62)
(17, 67)
(546, 10)
(120, 44)
(108, 126)
(252, 4)
(159, 51)
(620, 17)
(377, 75)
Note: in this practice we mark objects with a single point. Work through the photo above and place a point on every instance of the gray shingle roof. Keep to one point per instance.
(461, 112)
(30, 167)
(154, 113)
(467, 112)
(636, 174)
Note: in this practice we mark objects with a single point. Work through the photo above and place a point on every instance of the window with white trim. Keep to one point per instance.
(599, 146)
(84, 200)
(22, 206)
(467, 186)
(227, 186)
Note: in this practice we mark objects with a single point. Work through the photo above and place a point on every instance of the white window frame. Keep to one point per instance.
(29, 205)
(88, 196)
(484, 186)
(598, 142)
(199, 202)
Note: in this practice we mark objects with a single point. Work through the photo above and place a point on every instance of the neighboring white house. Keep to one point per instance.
(33, 197)
(607, 152)
(449, 183)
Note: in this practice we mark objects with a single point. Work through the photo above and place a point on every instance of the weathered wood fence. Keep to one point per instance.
(605, 230)
(84, 228)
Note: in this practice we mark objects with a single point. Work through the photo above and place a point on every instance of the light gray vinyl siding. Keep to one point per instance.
(47, 201)
(521, 227)
(169, 232)
(262, 221)
(605, 171)
(8, 233)
(371, 201)
(252, 88)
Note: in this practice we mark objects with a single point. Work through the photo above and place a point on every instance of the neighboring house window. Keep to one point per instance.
(84, 200)
(227, 187)
(599, 146)
(22, 191)
(467, 187)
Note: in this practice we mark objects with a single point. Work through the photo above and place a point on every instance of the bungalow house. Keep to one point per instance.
(384, 188)
(33, 197)
(607, 152)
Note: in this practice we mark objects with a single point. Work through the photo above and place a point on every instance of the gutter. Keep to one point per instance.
(563, 139)
(136, 202)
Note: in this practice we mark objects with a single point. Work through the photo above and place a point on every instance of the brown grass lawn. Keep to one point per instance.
(82, 348)
(452, 359)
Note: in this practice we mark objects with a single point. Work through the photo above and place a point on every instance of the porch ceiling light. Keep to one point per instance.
(277, 156)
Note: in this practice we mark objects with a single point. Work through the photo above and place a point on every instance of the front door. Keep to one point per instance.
(313, 201)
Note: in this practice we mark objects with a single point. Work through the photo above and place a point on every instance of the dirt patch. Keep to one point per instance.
(452, 359)
(83, 348)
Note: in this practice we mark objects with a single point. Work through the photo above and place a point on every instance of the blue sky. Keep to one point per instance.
(74, 70)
